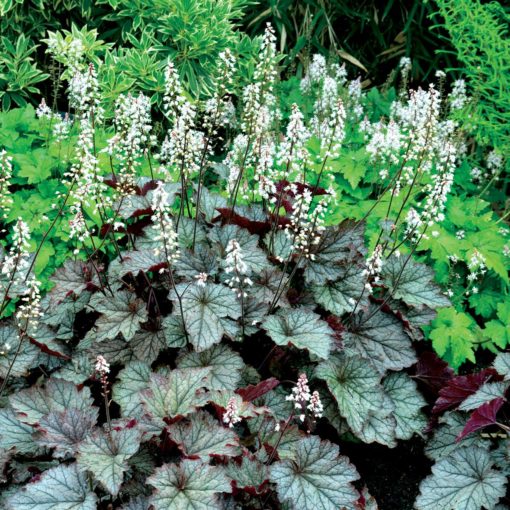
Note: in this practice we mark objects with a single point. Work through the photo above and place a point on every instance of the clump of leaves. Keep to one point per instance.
(227, 340)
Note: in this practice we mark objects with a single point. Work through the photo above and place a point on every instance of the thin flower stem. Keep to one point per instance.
(22, 335)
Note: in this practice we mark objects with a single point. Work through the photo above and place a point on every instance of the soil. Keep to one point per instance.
(392, 475)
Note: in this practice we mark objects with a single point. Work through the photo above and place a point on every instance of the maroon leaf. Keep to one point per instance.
(141, 212)
(482, 417)
(460, 387)
(252, 392)
(48, 350)
(335, 323)
(148, 186)
(136, 228)
(253, 226)
(433, 371)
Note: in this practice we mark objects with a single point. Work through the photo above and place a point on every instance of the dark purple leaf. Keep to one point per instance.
(460, 387)
(482, 417)
(433, 371)
(252, 392)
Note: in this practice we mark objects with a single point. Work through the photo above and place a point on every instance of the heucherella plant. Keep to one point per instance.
(217, 334)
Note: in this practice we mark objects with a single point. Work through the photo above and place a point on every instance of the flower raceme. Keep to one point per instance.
(235, 265)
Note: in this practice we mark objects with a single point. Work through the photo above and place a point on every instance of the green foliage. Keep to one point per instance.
(37, 172)
(370, 35)
(479, 33)
(214, 313)
(19, 74)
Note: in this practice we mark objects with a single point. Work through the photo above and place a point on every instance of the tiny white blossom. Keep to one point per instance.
(231, 415)
(315, 406)
(102, 367)
(235, 264)
(201, 279)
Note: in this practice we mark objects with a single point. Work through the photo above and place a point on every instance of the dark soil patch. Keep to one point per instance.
(392, 475)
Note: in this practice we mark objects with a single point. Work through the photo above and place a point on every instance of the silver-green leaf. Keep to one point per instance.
(188, 485)
(60, 488)
(317, 478)
(463, 480)
(301, 328)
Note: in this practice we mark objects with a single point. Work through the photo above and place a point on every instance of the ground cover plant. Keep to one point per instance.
(208, 309)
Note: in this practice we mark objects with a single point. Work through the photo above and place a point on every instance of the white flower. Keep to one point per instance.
(102, 367)
(494, 161)
(234, 263)
(458, 97)
(43, 110)
(184, 145)
(292, 153)
(164, 226)
(231, 415)
(173, 97)
(300, 393)
(315, 73)
(5, 181)
(16, 261)
(315, 406)
(129, 144)
(29, 311)
(201, 279)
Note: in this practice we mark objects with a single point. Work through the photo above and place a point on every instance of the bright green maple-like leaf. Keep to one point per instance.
(453, 337)
(465, 479)
(318, 477)
(190, 484)
(60, 488)
(301, 328)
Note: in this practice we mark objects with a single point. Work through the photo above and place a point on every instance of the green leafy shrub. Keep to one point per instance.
(217, 331)
(479, 33)
(18, 74)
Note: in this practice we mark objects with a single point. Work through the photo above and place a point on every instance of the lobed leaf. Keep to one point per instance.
(105, 455)
(465, 479)
(225, 364)
(176, 394)
(412, 282)
(121, 314)
(355, 384)
(202, 436)
(318, 477)
(190, 484)
(380, 339)
(60, 488)
(301, 328)
(203, 309)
